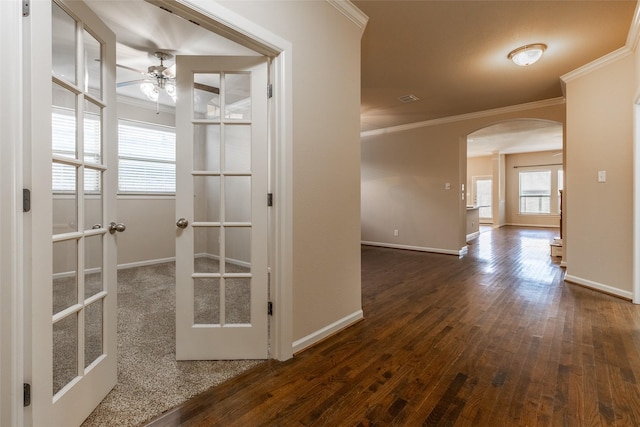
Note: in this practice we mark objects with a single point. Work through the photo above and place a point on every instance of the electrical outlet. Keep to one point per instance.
(395, 233)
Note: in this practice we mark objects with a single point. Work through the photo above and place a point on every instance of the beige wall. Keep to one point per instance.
(515, 163)
(599, 137)
(404, 174)
(326, 156)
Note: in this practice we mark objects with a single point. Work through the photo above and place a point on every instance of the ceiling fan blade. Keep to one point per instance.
(206, 88)
(129, 83)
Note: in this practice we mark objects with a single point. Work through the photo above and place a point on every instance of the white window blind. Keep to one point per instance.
(63, 143)
(147, 158)
(535, 192)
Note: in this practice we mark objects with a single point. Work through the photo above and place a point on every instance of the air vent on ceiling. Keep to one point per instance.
(408, 98)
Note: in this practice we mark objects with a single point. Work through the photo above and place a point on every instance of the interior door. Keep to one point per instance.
(73, 243)
(221, 206)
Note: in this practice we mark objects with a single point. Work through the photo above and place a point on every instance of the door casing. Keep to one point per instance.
(16, 49)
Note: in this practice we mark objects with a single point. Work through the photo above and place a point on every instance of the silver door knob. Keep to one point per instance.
(113, 227)
(182, 223)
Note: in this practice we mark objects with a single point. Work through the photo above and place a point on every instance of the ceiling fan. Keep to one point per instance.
(160, 78)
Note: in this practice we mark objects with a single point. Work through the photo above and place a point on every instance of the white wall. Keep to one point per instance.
(599, 137)
(326, 158)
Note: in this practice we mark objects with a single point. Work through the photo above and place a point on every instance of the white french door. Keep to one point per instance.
(72, 250)
(221, 206)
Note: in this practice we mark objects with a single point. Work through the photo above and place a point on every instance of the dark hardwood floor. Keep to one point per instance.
(495, 338)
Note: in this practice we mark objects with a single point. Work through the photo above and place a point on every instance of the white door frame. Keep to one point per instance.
(636, 202)
(11, 216)
(216, 18)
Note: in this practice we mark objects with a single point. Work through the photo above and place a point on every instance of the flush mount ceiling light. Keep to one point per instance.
(528, 54)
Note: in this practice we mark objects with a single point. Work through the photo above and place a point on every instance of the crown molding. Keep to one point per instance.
(469, 116)
(349, 10)
(634, 32)
(610, 58)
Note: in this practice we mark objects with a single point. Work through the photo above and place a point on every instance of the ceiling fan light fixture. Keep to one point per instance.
(528, 54)
(150, 90)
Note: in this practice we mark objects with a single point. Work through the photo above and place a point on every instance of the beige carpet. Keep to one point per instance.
(150, 381)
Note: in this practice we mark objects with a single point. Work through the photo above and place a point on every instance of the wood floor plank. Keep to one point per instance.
(494, 338)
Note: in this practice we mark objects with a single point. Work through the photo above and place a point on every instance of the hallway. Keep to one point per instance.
(493, 338)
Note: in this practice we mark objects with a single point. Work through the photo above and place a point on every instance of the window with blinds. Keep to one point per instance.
(63, 144)
(146, 158)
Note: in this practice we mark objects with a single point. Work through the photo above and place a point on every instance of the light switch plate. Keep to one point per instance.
(602, 176)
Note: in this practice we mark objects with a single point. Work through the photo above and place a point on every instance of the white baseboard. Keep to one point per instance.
(229, 260)
(533, 225)
(145, 263)
(473, 235)
(327, 331)
(461, 252)
(598, 286)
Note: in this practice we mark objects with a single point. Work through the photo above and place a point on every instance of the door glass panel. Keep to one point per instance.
(92, 133)
(206, 200)
(65, 274)
(63, 123)
(237, 97)
(92, 199)
(237, 148)
(63, 44)
(237, 199)
(206, 96)
(206, 249)
(237, 304)
(93, 332)
(93, 65)
(65, 351)
(237, 249)
(206, 148)
(206, 301)
(65, 198)
(93, 265)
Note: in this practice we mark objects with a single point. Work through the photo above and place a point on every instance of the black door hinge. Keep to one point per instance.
(26, 200)
(26, 390)
(269, 90)
(269, 199)
(270, 308)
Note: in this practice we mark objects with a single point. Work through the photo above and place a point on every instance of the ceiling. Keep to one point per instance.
(452, 55)
(138, 40)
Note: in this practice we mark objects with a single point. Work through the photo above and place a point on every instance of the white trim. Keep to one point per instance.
(473, 235)
(634, 32)
(327, 331)
(461, 252)
(352, 12)
(237, 262)
(145, 263)
(597, 64)
(215, 17)
(533, 225)
(11, 235)
(636, 205)
(598, 286)
(468, 116)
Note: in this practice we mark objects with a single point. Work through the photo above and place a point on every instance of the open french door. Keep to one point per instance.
(221, 206)
(71, 166)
